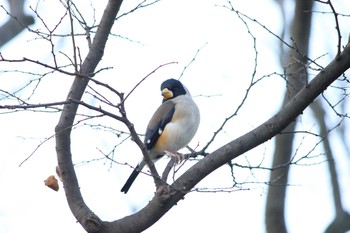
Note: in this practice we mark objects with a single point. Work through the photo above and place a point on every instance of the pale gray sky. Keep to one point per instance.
(170, 31)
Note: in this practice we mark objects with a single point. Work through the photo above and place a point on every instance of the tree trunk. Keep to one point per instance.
(296, 75)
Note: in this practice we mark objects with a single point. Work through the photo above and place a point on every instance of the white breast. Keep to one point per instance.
(184, 123)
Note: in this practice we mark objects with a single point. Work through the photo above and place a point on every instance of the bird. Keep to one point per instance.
(172, 126)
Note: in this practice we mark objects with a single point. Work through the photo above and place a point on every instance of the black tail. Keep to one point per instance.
(130, 180)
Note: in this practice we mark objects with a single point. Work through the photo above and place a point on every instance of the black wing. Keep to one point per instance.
(159, 120)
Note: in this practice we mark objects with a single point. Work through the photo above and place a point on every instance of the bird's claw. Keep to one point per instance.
(177, 156)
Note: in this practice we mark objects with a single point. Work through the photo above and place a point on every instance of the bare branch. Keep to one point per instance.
(163, 201)
(144, 78)
(72, 36)
(37, 148)
(26, 106)
(141, 5)
(193, 59)
(98, 109)
(337, 27)
(80, 210)
(240, 14)
(55, 68)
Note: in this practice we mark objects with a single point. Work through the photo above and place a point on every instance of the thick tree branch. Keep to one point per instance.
(83, 214)
(163, 201)
(166, 198)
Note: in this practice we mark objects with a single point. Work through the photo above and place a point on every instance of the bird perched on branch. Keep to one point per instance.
(172, 126)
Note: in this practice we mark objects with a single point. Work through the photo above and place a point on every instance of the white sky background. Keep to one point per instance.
(169, 31)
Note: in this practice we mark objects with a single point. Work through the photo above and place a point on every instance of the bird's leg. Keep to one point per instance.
(178, 156)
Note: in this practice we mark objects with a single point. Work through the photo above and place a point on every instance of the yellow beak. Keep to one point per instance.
(167, 94)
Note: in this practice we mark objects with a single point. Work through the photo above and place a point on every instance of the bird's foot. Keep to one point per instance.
(178, 156)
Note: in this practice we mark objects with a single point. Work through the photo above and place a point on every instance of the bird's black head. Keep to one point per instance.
(172, 88)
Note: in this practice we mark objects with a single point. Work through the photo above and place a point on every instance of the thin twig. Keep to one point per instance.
(337, 27)
(28, 106)
(192, 60)
(144, 78)
(75, 64)
(98, 109)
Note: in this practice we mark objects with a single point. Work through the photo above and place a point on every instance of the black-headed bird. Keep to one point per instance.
(172, 126)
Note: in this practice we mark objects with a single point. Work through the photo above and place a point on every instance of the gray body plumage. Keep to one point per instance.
(171, 128)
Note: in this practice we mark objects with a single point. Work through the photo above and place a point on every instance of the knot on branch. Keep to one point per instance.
(92, 223)
(164, 193)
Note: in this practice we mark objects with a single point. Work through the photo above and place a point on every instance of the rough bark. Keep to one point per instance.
(83, 214)
(167, 197)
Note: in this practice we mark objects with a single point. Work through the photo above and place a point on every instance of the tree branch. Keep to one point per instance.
(80, 210)
(162, 202)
